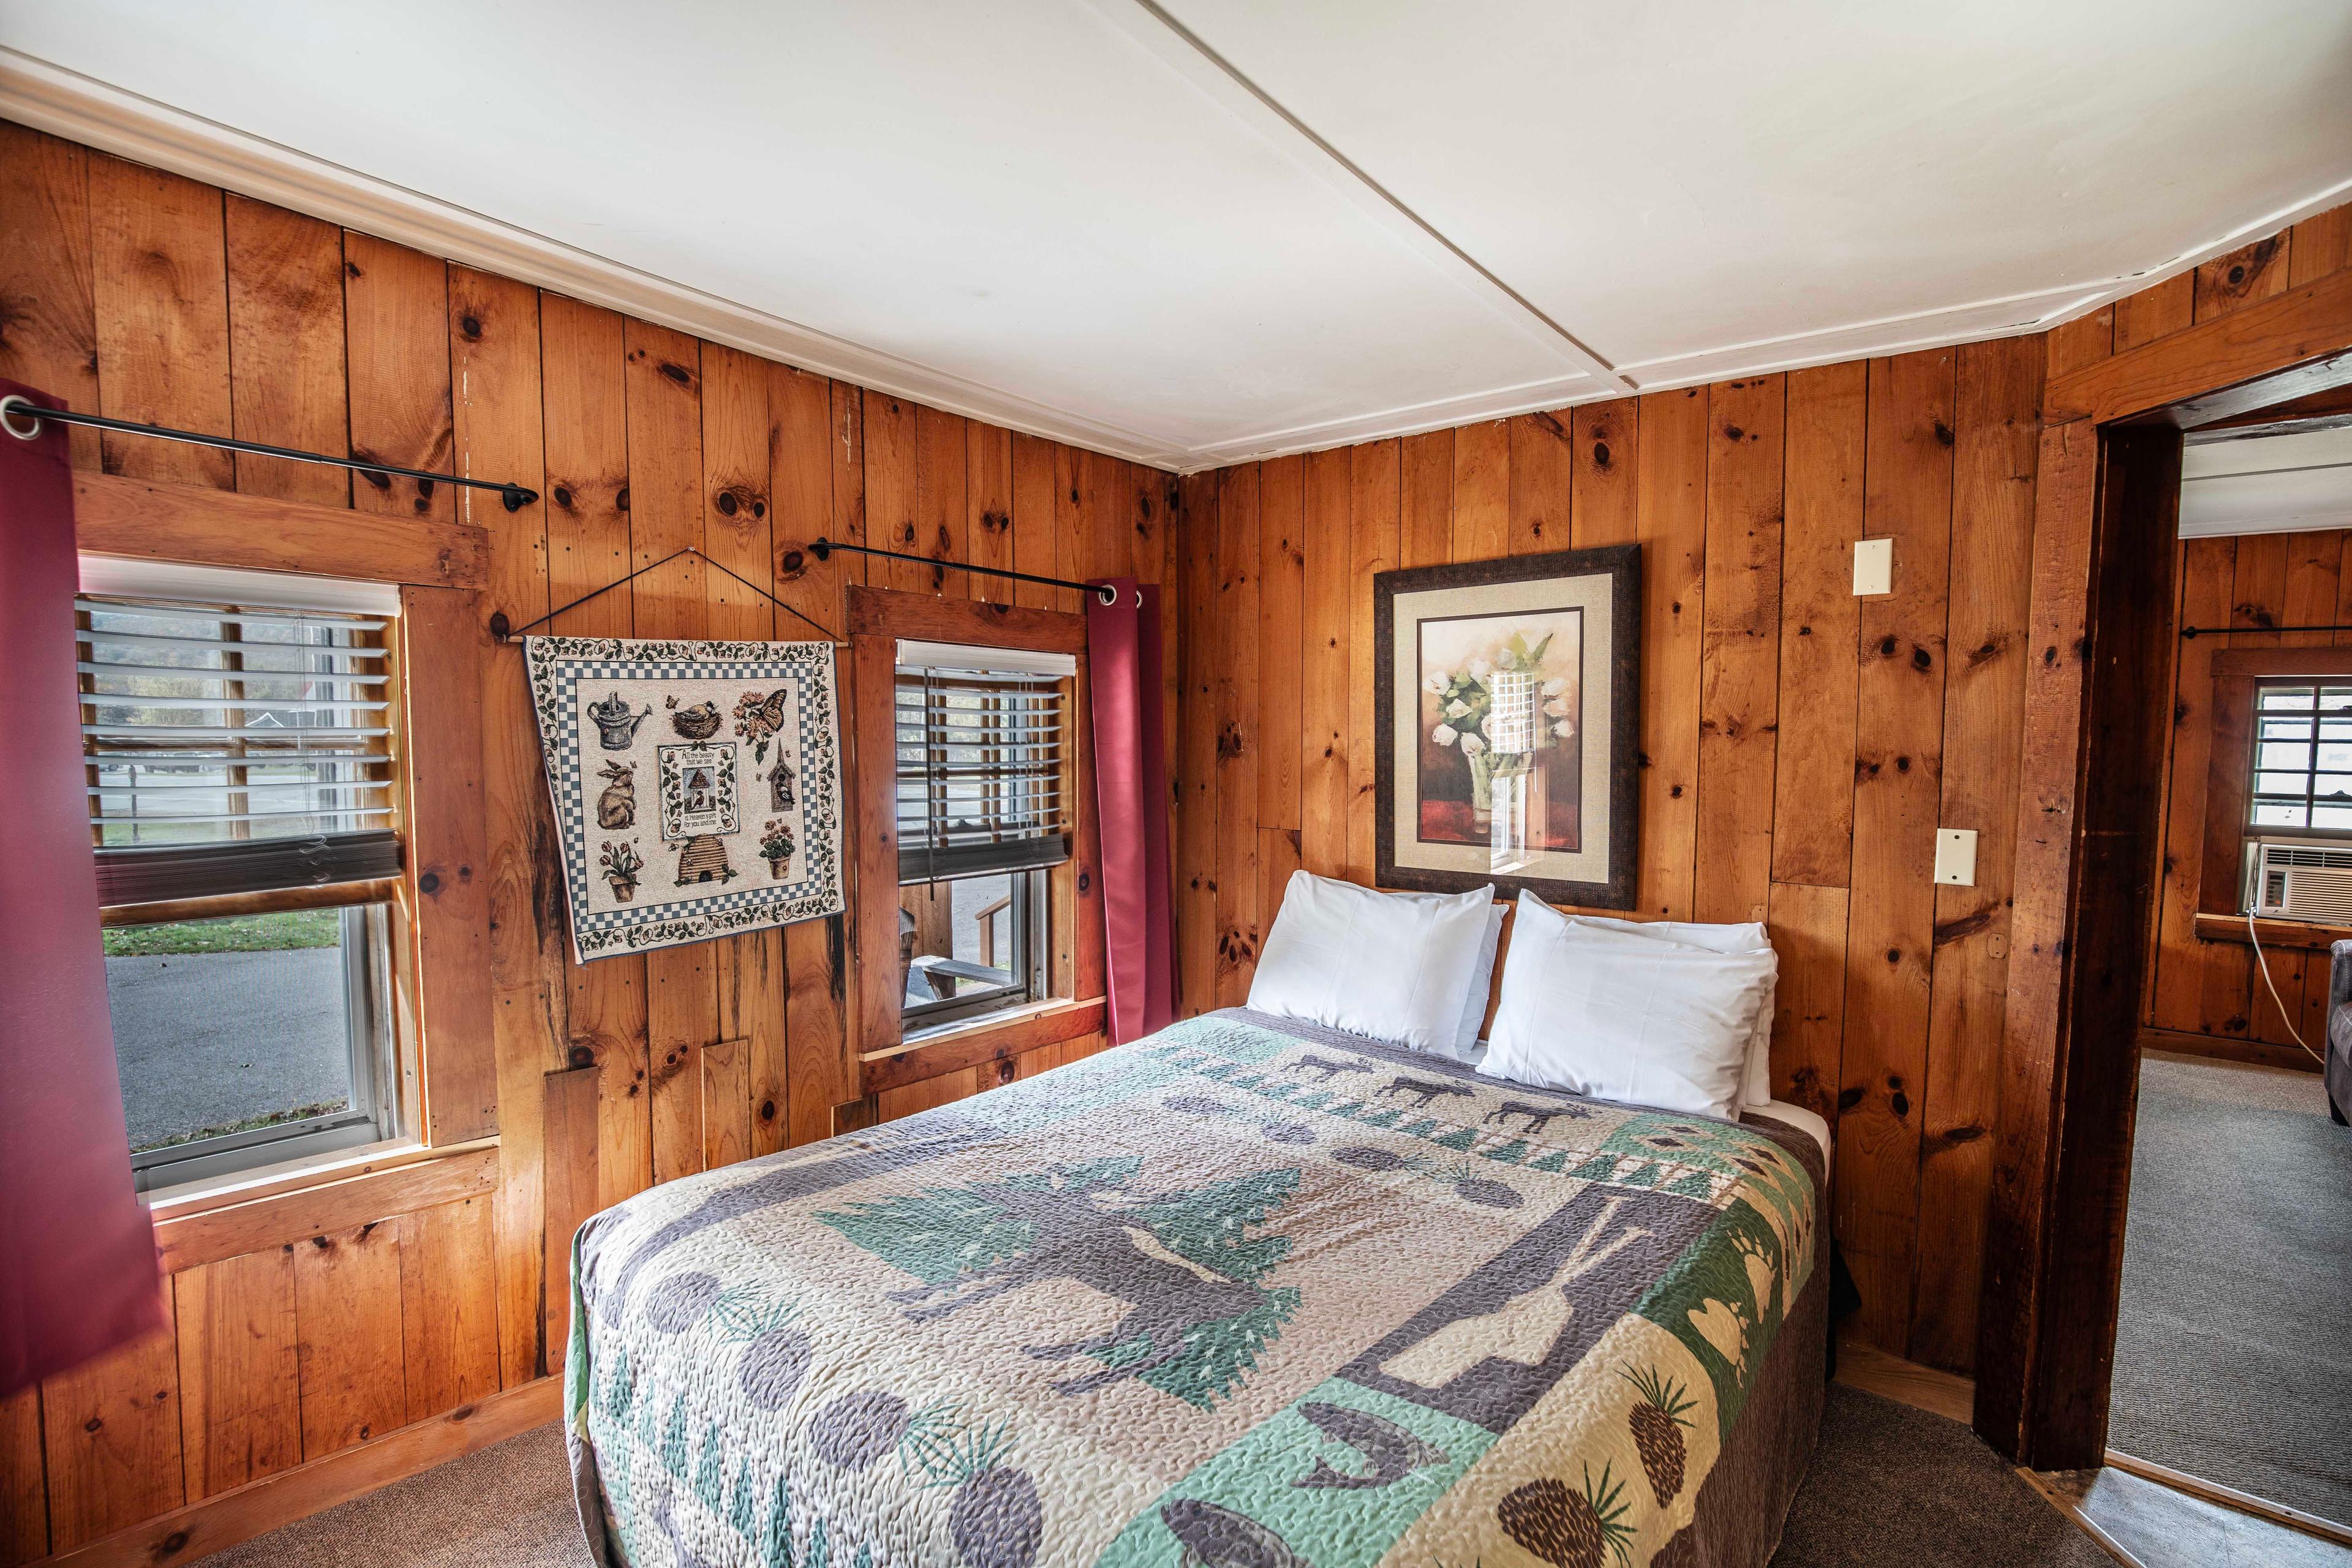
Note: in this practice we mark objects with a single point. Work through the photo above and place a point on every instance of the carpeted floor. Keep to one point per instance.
(2232, 1358)
(1891, 1486)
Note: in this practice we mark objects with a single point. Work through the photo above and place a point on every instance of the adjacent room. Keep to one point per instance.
(1175, 785)
(2244, 1082)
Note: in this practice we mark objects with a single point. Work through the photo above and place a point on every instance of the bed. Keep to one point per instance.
(1247, 1293)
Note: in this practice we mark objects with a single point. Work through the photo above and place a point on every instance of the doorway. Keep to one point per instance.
(2092, 840)
(2238, 1230)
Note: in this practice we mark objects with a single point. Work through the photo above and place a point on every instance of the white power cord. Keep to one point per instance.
(2263, 964)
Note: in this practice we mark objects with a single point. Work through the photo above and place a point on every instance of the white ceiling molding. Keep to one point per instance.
(1500, 403)
(1488, 349)
(81, 109)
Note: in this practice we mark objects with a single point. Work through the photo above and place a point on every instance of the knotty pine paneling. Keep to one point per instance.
(1747, 496)
(147, 295)
(1799, 746)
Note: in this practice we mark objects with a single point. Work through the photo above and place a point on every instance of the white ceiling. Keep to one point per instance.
(1233, 228)
(2267, 484)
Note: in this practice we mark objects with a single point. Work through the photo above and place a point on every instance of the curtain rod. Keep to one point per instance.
(516, 496)
(2194, 632)
(1109, 595)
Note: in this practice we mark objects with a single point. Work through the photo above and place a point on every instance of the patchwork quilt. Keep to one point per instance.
(1230, 1297)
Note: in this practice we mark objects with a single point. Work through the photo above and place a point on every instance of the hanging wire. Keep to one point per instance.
(498, 621)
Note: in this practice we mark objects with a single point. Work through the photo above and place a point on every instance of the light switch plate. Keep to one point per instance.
(1874, 568)
(1956, 856)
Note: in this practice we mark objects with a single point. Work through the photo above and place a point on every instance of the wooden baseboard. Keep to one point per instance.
(1863, 1365)
(2255, 1053)
(262, 1506)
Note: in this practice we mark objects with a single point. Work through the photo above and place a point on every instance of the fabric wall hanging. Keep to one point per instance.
(696, 785)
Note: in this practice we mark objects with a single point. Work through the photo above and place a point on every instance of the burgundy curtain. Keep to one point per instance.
(1123, 672)
(77, 1272)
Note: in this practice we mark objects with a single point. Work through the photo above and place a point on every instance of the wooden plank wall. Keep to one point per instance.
(1800, 746)
(151, 297)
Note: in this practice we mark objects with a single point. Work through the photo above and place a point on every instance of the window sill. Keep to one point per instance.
(206, 1222)
(997, 1036)
(2308, 936)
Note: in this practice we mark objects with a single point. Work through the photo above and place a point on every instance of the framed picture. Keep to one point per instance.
(1508, 709)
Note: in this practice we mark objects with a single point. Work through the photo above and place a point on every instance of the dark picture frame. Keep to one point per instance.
(1547, 626)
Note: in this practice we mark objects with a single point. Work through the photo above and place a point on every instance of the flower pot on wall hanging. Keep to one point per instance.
(1507, 714)
(677, 770)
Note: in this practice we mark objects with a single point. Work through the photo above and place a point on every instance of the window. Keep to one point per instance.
(981, 793)
(239, 761)
(2303, 756)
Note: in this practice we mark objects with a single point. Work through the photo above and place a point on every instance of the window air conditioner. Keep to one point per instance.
(2299, 881)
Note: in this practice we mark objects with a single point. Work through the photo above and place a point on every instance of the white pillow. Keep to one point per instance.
(1625, 1017)
(1749, 937)
(1390, 966)
(1480, 987)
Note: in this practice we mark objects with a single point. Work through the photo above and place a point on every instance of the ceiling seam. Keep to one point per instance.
(1596, 364)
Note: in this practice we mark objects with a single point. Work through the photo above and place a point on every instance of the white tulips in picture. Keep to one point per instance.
(1506, 698)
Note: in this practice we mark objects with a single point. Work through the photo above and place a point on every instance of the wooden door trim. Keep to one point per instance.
(150, 520)
(2087, 851)
(2218, 369)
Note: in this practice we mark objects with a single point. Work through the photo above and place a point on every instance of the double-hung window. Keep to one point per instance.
(239, 739)
(983, 812)
(2303, 757)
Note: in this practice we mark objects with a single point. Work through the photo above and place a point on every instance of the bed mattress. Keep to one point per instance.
(1241, 1295)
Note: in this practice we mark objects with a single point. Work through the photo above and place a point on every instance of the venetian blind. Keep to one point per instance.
(981, 743)
(235, 750)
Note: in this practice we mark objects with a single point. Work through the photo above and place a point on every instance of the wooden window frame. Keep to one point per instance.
(2228, 779)
(441, 948)
(877, 619)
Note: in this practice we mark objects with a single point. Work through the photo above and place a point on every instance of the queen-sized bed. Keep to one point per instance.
(1245, 1294)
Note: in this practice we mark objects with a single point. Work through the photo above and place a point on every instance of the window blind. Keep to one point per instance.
(2303, 756)
(232, 750)
(980, 761)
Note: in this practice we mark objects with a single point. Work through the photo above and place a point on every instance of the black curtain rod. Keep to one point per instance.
(2194, 632)
(1109, 595)
(498, 621)
(516, 496)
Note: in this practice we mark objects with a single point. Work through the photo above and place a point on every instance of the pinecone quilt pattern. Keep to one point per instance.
(1223, 1295)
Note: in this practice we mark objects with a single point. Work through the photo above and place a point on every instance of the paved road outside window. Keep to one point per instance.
(207, 1039)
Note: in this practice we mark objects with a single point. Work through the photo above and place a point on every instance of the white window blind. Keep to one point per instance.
(2303, 756)
(231, 749)
(980, 748)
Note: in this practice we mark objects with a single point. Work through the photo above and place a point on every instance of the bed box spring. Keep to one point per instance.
(1241, 1294)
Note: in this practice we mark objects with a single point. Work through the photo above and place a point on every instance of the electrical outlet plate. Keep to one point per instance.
(1874, 568)
(1956, 856)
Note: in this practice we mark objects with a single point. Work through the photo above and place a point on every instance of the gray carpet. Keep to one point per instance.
(509, 1505)
(2233, 1356)
(1891, 1486)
